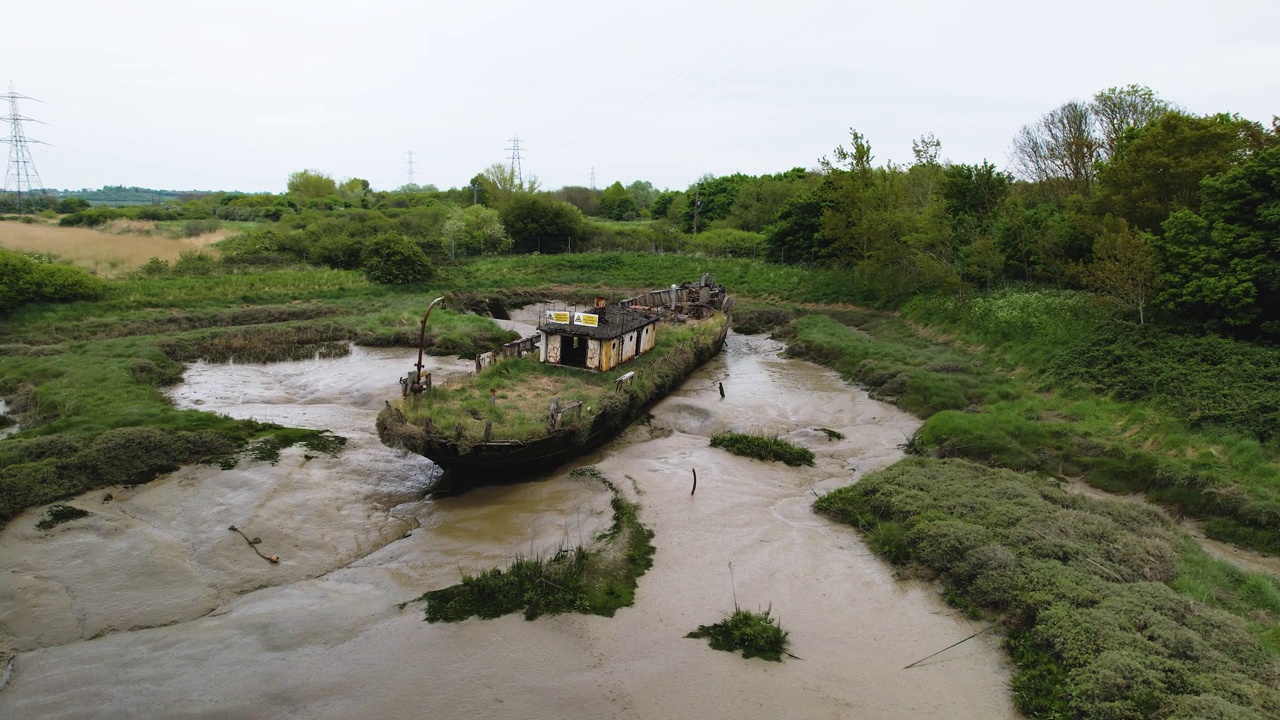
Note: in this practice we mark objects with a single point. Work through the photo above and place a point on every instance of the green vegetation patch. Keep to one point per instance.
(58, 514)
(1028, 380)
(30, 280)
(762, 448)
(1111, 611)
(756, 634)
(1207, 381)
(594, 581)
(521, 390)
(267, 447)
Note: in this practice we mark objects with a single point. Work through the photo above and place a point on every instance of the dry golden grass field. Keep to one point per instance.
(107, 253)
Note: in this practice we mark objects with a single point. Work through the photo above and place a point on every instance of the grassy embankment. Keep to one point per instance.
(1049, 382)
(1111, 611)
(595, 580)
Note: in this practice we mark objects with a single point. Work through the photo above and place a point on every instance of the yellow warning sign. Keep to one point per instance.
(586, 319)
(557, 316)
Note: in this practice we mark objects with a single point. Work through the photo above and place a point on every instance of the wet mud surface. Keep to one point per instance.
(151, 607)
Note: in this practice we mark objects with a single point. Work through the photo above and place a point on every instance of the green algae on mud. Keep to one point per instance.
(595, 581)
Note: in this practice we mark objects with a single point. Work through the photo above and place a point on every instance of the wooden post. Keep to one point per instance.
(426, 383)
(488, 430)
(457, 432)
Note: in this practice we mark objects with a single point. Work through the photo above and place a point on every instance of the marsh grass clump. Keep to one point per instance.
(756, 634)
(58, 514)
(1110, 611)
(762, 448)
(594, 581)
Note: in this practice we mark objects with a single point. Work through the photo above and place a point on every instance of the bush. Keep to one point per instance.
(194, 228)
(341, 252)
(726, 242)
(26, 281)
(394, 260)
(72, 205)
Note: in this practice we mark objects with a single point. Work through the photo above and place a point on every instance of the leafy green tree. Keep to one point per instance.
(474, 230)
(1222, 265)
(586, 199)
(1157, 168)
(311, 185)
(500, 185)
(760, 200)
(971, 193)
(1124, 266)
(1117, 110)
(796, 235)
(539, 223)
(616, 203)
(642, 193)
(662, 204)
(711, 199)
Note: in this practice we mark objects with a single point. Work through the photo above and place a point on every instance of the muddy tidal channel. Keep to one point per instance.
(150, 607)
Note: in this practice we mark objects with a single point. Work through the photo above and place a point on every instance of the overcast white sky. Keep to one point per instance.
(238, 94)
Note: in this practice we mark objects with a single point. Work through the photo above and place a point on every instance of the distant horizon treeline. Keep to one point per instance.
(1174, 215)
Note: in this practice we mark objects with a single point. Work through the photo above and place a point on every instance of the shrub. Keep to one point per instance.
(72, 205)
(194, 228)
(26, 281)
(341, 252)
(394, 260)
(726, 242)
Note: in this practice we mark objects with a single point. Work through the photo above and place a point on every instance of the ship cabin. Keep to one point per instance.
(601, 340)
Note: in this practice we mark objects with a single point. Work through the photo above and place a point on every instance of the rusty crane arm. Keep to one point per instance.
(422, 335)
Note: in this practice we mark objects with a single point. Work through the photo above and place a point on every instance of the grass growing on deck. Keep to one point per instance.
(523, 389)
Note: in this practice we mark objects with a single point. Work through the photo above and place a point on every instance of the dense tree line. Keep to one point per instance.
(1173, 214)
